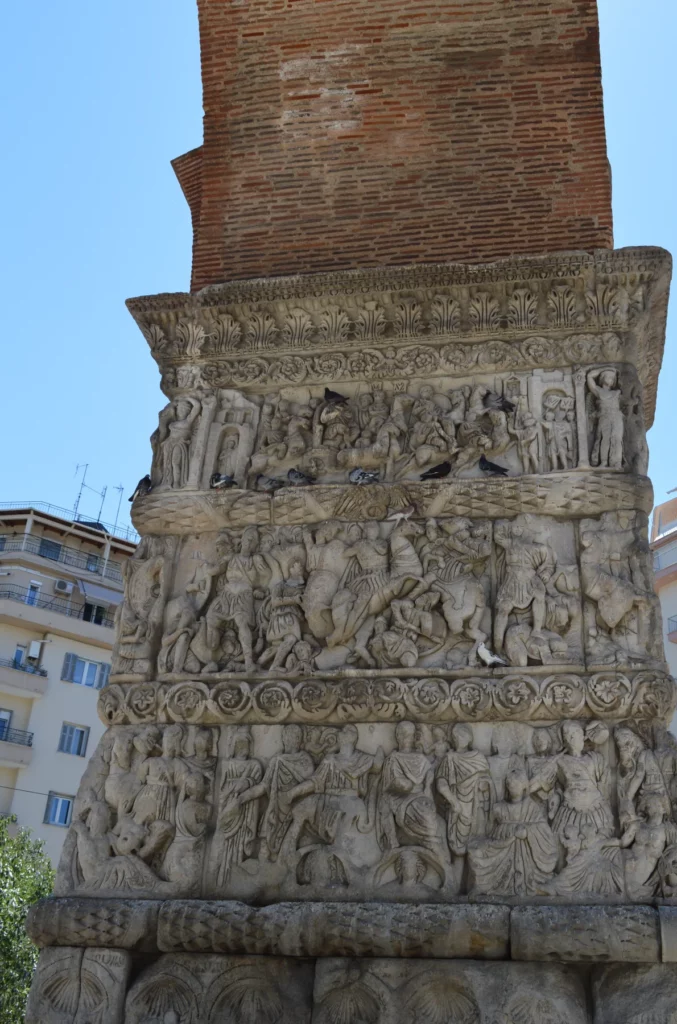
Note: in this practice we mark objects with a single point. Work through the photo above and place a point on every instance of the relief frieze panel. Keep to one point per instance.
(581, 809)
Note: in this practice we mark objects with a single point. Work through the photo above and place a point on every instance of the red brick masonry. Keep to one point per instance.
(352, 133)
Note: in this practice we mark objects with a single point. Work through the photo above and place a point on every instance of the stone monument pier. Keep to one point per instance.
(387, 717)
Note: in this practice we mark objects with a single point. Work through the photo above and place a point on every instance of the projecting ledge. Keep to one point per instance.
(574, 934)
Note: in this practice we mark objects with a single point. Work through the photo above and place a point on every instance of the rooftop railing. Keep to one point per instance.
(114, 529)
(16, 736)
(53, 604)
(57, 552)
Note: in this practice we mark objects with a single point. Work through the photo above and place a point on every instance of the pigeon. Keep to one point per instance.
(400, 515)
(437, 472)
(494, 401)
(299, 479)
(491, 467)
(268, 483)
(144, 486)
(219, 481)
(334, 397)
(363, 476)
(487, 657)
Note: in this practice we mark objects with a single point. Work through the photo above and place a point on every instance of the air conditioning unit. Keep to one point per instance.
(34, 649)
(63, 587)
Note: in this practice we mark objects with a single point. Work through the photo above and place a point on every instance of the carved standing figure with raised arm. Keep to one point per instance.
(607, 448)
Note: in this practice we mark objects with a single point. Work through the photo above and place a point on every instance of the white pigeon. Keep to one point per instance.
(398, 516)
(487, 657)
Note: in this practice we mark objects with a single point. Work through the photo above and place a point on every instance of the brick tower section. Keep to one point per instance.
(356, 133)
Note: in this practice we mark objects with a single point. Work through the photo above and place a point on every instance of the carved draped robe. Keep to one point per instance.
(403, 799)
(284, 772)
(467, 774)
(237, 826)
(521, 854)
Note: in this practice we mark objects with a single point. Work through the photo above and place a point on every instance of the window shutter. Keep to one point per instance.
(102, 676)
(48, 809)
(68, 667)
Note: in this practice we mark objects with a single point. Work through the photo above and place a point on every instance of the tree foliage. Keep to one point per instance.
(26, 876)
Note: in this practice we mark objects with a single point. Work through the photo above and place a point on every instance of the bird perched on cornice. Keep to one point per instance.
(363, 476)
(442, 469)
(400, 515)
(488, 657)
(144, 486)
(268, 483)
(491, 468)
(298, 479)
(334, 397)
(220, 481)
(493, 401)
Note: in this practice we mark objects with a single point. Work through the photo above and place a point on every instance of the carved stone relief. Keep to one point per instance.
(79, 986)
(402, 812)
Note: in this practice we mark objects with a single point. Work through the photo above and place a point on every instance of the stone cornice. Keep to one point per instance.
(573, 494)
(232, 330)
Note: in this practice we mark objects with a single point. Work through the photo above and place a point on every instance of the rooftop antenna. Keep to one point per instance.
(120, 489)
(84, 466)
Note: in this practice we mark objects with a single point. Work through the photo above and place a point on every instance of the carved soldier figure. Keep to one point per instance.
(464, 783)
(326, 561)
(174, 440)
(528, 566)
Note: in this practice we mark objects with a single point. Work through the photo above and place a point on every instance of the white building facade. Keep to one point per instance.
(60, 583)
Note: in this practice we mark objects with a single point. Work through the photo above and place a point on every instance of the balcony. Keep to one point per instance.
(56, 552)
(672, 629)
(20, 606)
(22, 680)
(16, 748)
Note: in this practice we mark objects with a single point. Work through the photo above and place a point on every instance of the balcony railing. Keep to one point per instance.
(672, 624)
(32, 670)
(16, 736)
(115, 530)
(57, 552)
(53, 604)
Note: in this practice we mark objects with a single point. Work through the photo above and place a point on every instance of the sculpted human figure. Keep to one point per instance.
(464, 783)
(581, 779)
(180, 620)
(94, 840)
(607, 448)
(378, 571)
(406, 808)
(139, 617)
(594, 865)
(326, 562)
(505, 757)
(525, 432)
(613, 580)
(183, 861)
(520, 854)
(160, 775)
(237, 823)
(241, 573)
(527, 567)
(338, 799)
(284, 772)
(644, 841)
(122, 783)
(286, 613)
(174, 440)
(639, 774)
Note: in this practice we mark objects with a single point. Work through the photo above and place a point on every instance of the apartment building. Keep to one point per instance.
(60, 582)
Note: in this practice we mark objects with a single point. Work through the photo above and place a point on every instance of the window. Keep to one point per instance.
(5, 722)
(49, 549)
(19, 655)
(59, 809)
(84, 672)
(94, 613)
(73, 739)
(92, 562)
(3, 541)
(33, 593)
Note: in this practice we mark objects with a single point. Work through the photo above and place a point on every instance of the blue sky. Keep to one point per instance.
(96, 98)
